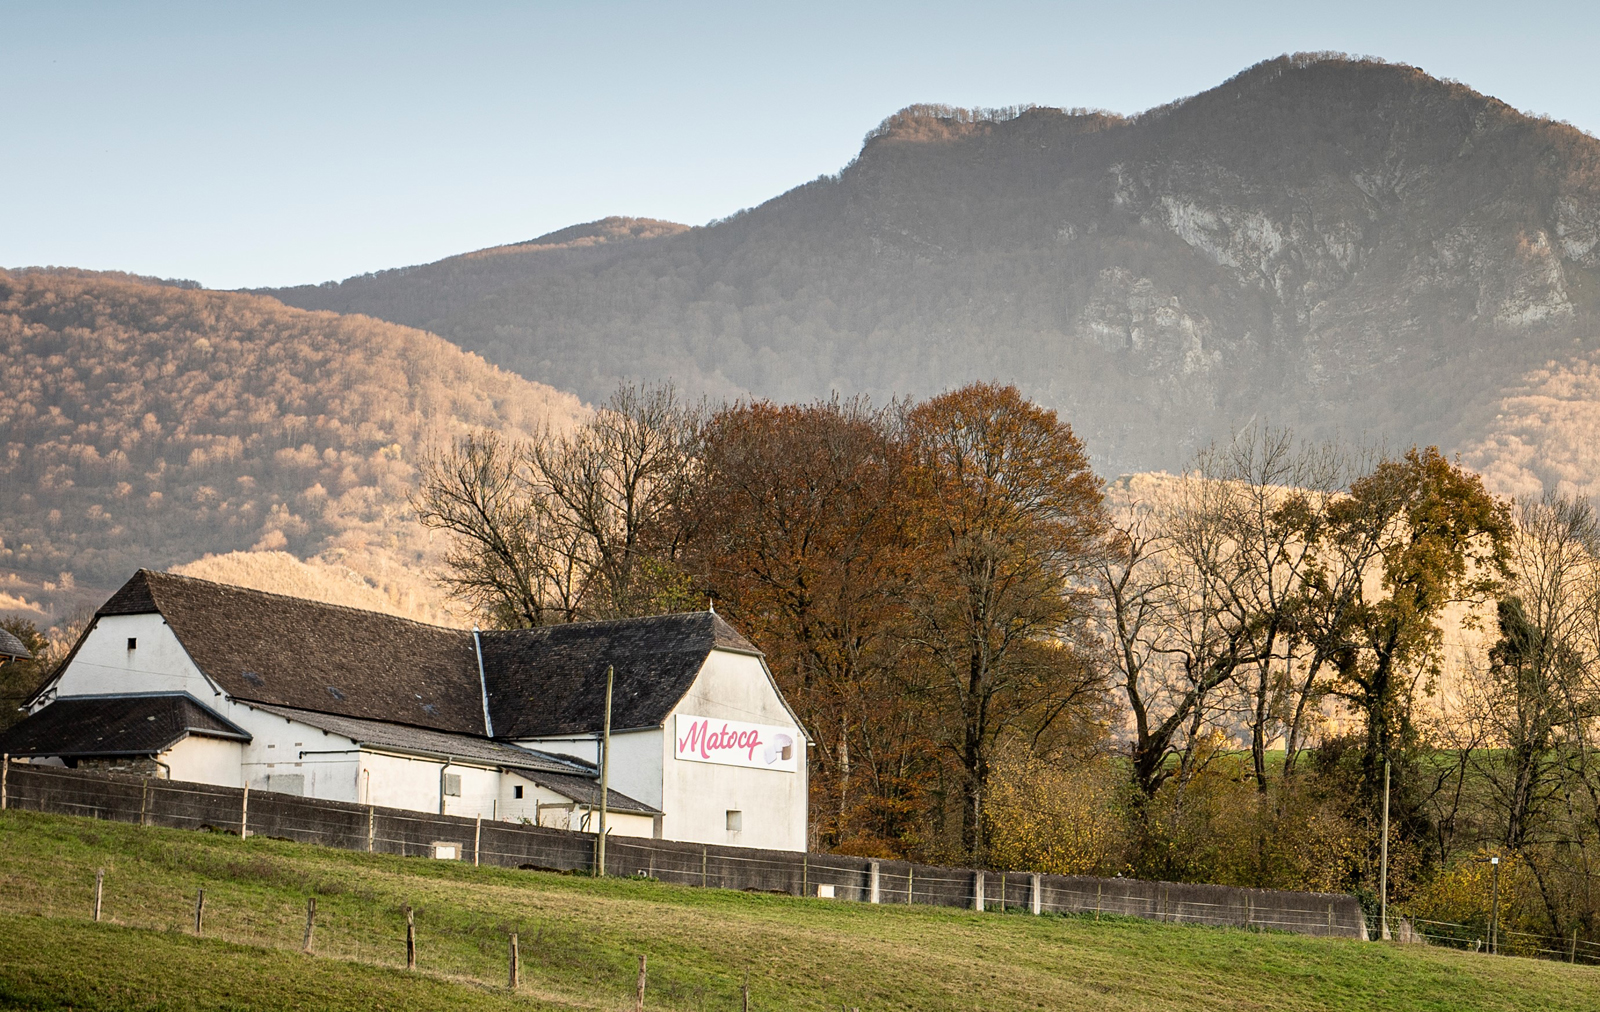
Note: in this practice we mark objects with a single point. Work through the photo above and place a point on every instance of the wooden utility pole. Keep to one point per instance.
(1383, 868)
(605, 781)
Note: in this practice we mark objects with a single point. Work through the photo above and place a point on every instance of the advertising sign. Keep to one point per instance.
(735, 743)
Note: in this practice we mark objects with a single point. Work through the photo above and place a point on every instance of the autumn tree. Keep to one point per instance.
(1435, 537)
(1006, 517)
(794, 520)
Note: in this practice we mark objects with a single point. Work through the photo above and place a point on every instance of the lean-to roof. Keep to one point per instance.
(90, 726)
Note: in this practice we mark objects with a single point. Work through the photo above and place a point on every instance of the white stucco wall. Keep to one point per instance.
(635, 759)
(104, 665)
(205, 760)
(280, 747)
(697, 796)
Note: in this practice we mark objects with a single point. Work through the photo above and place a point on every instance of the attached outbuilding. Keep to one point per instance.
(219, 684)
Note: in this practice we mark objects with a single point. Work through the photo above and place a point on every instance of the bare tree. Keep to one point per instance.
(612, 482)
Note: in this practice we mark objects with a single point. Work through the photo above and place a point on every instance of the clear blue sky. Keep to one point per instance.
(265, 144)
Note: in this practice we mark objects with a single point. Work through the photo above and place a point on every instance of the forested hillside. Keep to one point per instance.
(146, 424)
(1319, 242)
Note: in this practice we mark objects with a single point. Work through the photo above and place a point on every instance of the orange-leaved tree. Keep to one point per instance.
(1006, 517)
(795, 522)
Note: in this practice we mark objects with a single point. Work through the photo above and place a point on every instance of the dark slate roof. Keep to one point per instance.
(324, 658)
(288, 651)
(86, 726)
(585, 791)
(552, 680)
(11, 647)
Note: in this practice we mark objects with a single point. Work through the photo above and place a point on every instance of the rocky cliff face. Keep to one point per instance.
(1346, 247)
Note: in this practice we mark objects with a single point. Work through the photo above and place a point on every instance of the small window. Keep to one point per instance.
(452, 785)
(735, 821)
(516, 792)
(133, 642)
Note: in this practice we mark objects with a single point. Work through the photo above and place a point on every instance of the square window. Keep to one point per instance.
(516, 792)
(452, 785)
(735, 821)
(133, 642)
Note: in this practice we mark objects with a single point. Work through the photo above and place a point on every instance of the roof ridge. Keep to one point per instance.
(179, 577)
(592, 622)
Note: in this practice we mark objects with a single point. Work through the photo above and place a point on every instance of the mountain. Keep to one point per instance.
(1344, 246)
(149, 424)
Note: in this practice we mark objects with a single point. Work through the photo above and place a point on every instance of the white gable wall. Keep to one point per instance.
(104, 665)
(696, 796)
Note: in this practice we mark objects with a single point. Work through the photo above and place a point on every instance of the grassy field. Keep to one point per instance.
(581, 939)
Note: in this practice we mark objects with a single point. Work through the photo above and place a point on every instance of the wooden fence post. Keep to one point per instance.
(638, 998)
(511, 976)
(369, 829)
(744, 992)
(477, 840)
(5, 770)
(99, 890)
(311, 923)
(1036, 894)
(703, 851)
(199, 912)
(977, 891)
(872, 891)
(411, 940)
(244, 812)
(1572, 957)
(144, 797)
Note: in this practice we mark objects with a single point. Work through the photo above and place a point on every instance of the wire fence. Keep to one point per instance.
(241, 811)
(1493, 939)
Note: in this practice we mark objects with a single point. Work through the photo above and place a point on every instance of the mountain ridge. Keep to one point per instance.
(1347, 247)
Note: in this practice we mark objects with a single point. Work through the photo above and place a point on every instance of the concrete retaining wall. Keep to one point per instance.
(155, 802)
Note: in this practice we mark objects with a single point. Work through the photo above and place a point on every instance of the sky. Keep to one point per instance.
(247, 145)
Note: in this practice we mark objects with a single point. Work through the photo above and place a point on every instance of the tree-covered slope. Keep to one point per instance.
(1344, 246)
(144, 424)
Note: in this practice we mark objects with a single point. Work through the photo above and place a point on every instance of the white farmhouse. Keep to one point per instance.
(206, 682)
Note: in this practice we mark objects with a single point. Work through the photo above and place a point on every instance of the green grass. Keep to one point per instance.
(581, 940)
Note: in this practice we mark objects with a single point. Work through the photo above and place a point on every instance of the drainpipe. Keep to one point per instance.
(442, 769)
(483, 684)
